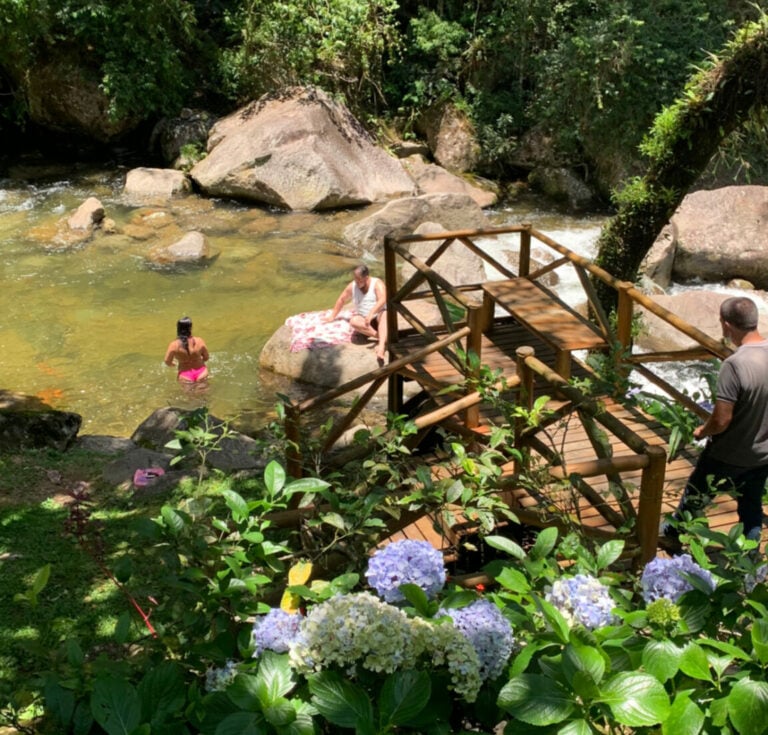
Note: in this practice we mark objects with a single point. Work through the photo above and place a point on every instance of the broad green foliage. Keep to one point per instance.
(139, 52)
(340, 45)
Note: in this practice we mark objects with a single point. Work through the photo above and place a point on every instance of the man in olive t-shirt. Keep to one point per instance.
(736, 456)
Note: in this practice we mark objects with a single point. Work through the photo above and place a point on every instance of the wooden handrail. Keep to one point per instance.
(392, 367)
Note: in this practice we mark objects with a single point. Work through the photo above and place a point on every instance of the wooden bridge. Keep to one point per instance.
(600, 464)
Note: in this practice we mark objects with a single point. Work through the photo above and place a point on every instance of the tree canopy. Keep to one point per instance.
(730, 89)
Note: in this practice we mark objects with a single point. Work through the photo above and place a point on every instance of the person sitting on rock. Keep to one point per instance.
(190, 353)
(369, 297)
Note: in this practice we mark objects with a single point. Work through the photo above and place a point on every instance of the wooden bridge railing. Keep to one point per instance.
(649, 458)
(619, 335)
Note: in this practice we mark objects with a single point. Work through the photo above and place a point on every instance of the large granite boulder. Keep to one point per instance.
(234, 452)
(26, 422)
(451, 137)
(699, 308)
(403, 216)
(64, 95)
(433, 179)
(326, 367)
(722, 234)
(458, 264)
(298, 149)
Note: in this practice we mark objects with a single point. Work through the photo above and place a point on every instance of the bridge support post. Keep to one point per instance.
(649, 507)
(526, 376)
(292, 436)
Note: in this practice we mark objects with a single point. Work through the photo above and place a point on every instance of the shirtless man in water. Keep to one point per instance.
(191, 353)
(369, 298)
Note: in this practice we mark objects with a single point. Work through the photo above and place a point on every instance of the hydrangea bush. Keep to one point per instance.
(583, 600)
(547, 647)
(666, 577)
(406, 562)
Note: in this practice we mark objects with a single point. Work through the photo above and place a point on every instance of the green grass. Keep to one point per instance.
(79, 601)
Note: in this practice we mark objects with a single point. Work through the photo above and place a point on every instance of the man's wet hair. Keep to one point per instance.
(740, 312)
(362, 270)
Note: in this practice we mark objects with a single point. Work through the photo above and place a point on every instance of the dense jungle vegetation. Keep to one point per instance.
(589, 75)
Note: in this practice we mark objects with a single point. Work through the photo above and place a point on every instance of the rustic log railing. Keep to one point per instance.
(467, 316)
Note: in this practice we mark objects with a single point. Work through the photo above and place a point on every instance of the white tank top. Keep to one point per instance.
(364, 302)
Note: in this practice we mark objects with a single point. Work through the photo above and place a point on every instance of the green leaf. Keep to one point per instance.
(334, 519)
(245, 690)
(341, 702)
(115, 706)
(243, 723)
(662, 659)
(536, 700)
(305, 485)
(280, 712)
(403, 696)
(609, 552)
(760, 639)
(636, 699)
(685, 717)
(514, 581)
(586, 659)
(174, 521)
(575, 727)
(274, 477)
(545, 542)
(274, 679)
(162, 692)
(506, 545)
(236, 503)
(416, 596)
(694, 663)
(40, 580)
(748, 707)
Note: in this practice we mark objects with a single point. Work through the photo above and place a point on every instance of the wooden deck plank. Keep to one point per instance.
(498, 352)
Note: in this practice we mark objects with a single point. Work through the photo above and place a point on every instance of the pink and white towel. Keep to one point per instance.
(310, 332)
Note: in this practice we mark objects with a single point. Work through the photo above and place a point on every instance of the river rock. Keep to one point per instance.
(298, 149)
(192, 248)
(173, 135)
(433, 179)
(142, 184)
(723, 234)
(87, 216)
(660, 259)
(563, 185)
(64, 95)
(403, 216)
(697, 307)
(234, 452)
(26, 422)
(326, 367)
(458, 264)
(451, 137)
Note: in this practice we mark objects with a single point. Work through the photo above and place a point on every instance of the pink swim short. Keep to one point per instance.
(193, 375)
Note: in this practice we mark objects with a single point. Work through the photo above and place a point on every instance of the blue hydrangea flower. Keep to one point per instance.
(488, 631)
(759, 577)
(406, 562)
(218, 678)
(664, 577)
(583, 600)
(275, 631)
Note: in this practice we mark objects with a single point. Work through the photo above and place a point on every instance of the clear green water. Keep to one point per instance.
(86, 328)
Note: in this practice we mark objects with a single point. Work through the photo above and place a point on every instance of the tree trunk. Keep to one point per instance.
(685, 136)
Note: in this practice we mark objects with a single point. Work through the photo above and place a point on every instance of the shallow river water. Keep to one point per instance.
(86, 328)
